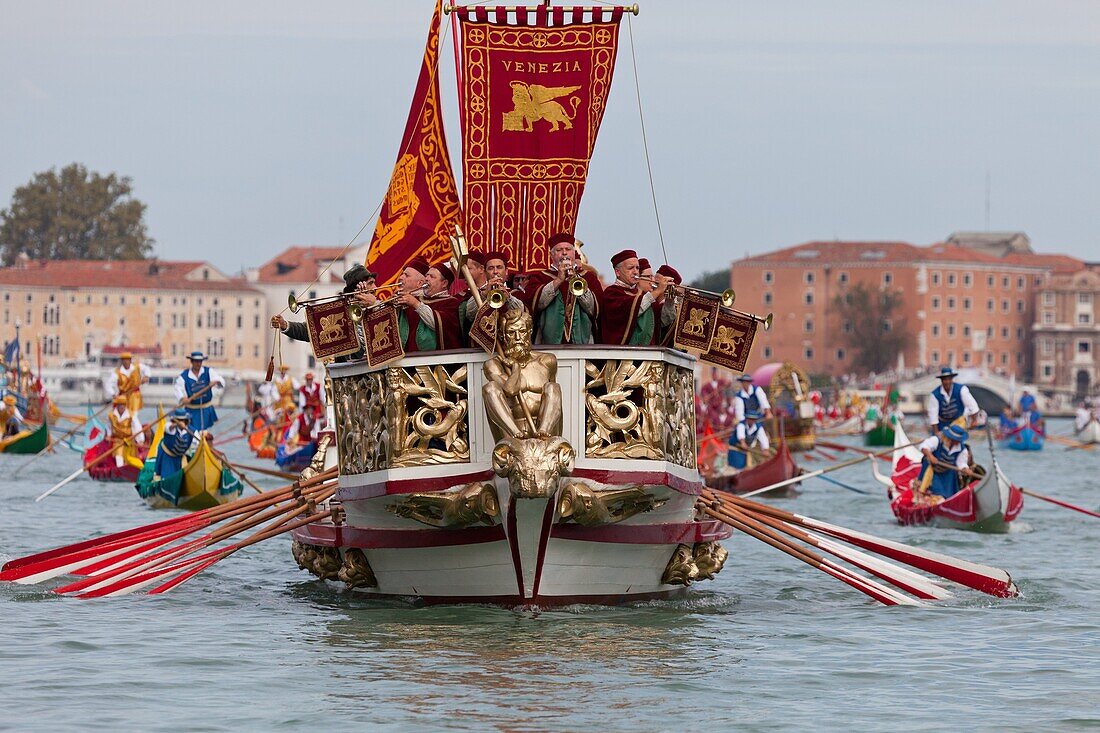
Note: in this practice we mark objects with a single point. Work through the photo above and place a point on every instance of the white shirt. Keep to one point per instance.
(739, 402)
(292, 435)
(215, 379)
(961, 456)
(1084, 417)
(970, 405)
(135, 425)
(110, 382)
(759, 440)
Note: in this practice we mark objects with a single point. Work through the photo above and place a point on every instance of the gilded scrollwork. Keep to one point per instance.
(356, 571)
(639, 410)
(402, 416)
(475, 503)
(324, 562)
(588, 507)
(681, 568)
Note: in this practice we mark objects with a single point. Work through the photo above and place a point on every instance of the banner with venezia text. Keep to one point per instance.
(533, 95)
(421, 207)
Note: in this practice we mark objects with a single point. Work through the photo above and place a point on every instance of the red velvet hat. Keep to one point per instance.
(643, 265)
(669, 271)
(497, 255)
(559, 238)
(447, 273)
(476, 256)
(623, 256)
(419, 264)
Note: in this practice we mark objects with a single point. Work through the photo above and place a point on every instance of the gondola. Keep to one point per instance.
(27, 441)
(1023, 438)
(881, 435)
(775, 469)
(202, 483)
(260, 439)
(1089, 434)
(988, 504)
(105, 469)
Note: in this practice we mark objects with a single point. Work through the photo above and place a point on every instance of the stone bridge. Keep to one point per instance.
(992, 391)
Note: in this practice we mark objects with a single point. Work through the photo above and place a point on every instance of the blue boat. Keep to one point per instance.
(1025, 438)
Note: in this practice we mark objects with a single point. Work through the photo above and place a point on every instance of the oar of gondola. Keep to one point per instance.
(842, 485)
(268, 471)
(827, 469)
(50, 444)
(1051, 499)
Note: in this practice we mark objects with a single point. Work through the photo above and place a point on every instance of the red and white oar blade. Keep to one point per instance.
(907, 580)
(136, 565)
(185, 576)
(130, 584)
(109, 539)
(985, 578)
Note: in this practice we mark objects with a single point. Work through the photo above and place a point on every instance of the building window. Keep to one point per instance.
(255, 351)
(808, 325)
(1048, 370)
(1004, 281)
(1004, 306)
(966, 357)
(990, 305)
(240, 323)
(887, 278)
(1020, 283)
(143, 300)
(989, 281)
(767, 352)
(808, 353)
(951, 279)
(174, 349)
(935, 303)
(1084, 347)
(158, 320)
(842, 278)
(1048, 347)
(240, 350)
(158, 300)
(808, 277)
(950, 356)
(840, 354)
(989, 332)
(205, 274)
(809, 297)
(935, 357)
(769, 277)
(966, 304)
(968, 279)
(846, 327)
(1084, 298)
(951, 304)
(1004, 332)
(1019, 306)
(767, 298)
(950, 329)
(256, 321)
(1048, 318)
(1004, 358)
(966, 330)
(935, 329)
(1084, 319)
(1019, 357)
(935, 278)
(1019, 333)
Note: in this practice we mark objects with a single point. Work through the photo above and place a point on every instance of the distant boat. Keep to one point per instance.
(1023, 438)
(1089, 434)
(986, 505)
(774, 470)
(27, 441)
(105, 469)
(881, 435)
(202, 483)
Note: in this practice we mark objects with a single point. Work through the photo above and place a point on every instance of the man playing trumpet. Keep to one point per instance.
(627, 315)
(564, 310)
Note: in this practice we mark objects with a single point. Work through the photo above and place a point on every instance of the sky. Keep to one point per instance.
(251, 126)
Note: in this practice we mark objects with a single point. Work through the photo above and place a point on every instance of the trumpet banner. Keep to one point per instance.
(731, 341)
(533, 96)
(331, 331)
(421, 208)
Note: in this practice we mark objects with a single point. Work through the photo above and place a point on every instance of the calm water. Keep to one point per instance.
(255, 644)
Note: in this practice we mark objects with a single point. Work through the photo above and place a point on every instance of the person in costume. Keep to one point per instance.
(311, 396)
(946, 459)
(286, 390)
(748, 437)
(560, 316)
(126, 380)
(1029, 412)
(475, 266)
(627, 316)
(949, 402)
(495, 278)
(173, 445)
(192, 381)
(668, 307)
(126, 433)
(304, 429)
(645, 275)
(359, 281)
(10, 417)
(750, 398)
(520, 281)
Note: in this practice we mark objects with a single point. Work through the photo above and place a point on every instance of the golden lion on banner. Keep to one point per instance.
(534, 102)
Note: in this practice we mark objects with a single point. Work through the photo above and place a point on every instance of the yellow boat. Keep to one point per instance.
(203, 483)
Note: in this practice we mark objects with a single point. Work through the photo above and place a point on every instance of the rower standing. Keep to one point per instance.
(126, 380)
(173, 445)
(750, 398)
(748, 437)
(126, 433)
(10, 417)
(286, 387)
(951, 401)
(192, 381)
(312, 395)
(946, 458)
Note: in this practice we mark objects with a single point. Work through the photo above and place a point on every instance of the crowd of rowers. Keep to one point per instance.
(568, 302)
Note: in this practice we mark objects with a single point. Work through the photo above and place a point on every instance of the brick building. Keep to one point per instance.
(1066, 334)
(967, 303)
(79, 307)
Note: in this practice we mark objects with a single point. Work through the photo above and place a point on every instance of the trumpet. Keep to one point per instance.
(496, 295)
(726, 298)
(395, 297)
(355, 308)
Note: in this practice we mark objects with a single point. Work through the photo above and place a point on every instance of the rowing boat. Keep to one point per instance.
(27, 441)
(260, 440)
(1089, 434)
(881, 435)
(296, 459)
(105, 469)
(203, 483)
(774, 470)
(1023, 438)
(986, 505)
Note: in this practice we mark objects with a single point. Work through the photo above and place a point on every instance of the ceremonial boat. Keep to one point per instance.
(988, 504)
(1024, 437)
(203, 482)
(261, 440)
(882, 434)
(27, 441)
(105, 469)
(774, 470)
(788, 388)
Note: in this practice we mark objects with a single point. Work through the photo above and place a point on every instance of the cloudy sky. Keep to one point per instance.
(251, 125)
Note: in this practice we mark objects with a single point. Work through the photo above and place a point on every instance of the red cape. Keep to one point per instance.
(618, 313)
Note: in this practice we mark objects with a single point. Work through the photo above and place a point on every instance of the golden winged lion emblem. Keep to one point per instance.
(332, 328)
(534, 102)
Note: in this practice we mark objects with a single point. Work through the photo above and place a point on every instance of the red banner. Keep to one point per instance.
(421, 206)
(533, 96)
(331, 330)
(732, 341)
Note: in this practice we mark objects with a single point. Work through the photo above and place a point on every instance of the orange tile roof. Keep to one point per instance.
(1056, 263)
(299, 264)
(122, 274)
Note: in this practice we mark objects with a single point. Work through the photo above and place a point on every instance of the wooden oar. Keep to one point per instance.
(1059, 502)
(853, 449)
(984, 578)
(51, 443)
(842, 485)
(268, 471)
(821, 471)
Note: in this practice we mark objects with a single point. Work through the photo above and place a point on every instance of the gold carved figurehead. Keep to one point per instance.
(591, 508)
(534, 102)
(533, 466)
(475, 503)
(522, 396)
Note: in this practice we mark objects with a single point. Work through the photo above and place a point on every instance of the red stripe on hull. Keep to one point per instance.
(539, 601)
(645, 534)
(329, 535)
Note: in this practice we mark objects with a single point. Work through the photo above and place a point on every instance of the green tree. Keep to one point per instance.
(872, 330)
(73, 214)
(717, 281)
